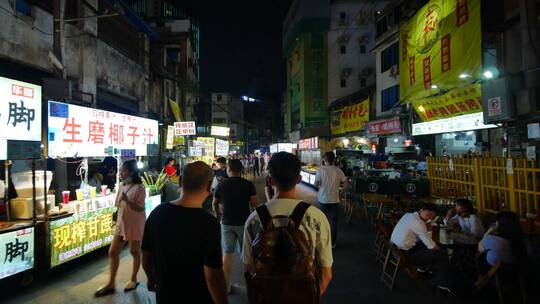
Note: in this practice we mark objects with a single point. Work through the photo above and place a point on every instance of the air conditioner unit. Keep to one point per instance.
(394, 71)
(343, 39)
(346, 72)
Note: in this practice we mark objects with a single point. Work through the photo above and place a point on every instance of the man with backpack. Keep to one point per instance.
(287, 243)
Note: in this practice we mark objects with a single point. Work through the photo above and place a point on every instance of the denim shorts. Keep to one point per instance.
(231, 236)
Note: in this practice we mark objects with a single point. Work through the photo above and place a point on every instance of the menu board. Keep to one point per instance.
(79, 234)
(76, 131)
(222, 147)
(16, 252)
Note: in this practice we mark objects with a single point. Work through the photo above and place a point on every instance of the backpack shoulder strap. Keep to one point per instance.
(264, 216)
(298, 213)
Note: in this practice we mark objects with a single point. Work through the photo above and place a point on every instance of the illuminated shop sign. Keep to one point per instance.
(16, 252)
(466, 122)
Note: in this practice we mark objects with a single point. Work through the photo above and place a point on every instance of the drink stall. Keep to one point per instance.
(20, 147)
(83, 222)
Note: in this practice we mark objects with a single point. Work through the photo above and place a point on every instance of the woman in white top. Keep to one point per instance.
(462, 219)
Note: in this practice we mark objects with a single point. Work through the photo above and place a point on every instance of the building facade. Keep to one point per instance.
(351, 36)
(305, 49)
(228, 111)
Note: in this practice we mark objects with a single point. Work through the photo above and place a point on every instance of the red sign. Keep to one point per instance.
(19, 90)
(408, 142)
(385, 126)
(308, 143)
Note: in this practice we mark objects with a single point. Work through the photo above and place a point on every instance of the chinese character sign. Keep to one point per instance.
(184, 128)
(350, 118)
(208, 149)
(79, 234)
(440, 46)
(222, 147)
(20, 110)
(79, 131)
(385, 126)
(219, 131)
(463, 100)
(16, 251)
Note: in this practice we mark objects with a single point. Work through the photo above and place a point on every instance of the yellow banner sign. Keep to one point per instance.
(440, 48)
(175, 108)
(350, 118)
(464, 100)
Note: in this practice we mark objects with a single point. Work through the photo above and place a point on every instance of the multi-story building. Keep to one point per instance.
(351, 36)
(305, 47)
(228, 111)
(174, 57)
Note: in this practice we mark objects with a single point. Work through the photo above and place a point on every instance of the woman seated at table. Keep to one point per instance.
(503, 242)
(462, 219)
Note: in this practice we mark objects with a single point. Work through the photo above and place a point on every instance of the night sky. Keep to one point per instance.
(241, 46)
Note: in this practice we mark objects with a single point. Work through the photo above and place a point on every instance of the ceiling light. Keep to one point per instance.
(434, 86)
(421, 109)
(488, 74)
(463, 76)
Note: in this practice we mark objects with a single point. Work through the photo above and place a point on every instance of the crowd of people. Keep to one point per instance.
(285, 244)
(187, 250)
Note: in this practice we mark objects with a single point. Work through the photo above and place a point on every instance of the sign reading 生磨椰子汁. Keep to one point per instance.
(16, 252)
(79, 131)
(20, 110)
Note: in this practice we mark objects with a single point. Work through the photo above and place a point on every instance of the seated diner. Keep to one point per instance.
(462, 219)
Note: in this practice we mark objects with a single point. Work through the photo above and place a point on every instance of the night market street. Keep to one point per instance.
(356, 276)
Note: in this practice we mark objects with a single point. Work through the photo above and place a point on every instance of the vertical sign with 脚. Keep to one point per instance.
(20, 110)
(16, 252)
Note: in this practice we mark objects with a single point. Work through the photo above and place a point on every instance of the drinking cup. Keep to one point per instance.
(65, 197)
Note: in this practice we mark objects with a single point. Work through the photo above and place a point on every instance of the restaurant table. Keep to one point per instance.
(455, 239)
(377, 199)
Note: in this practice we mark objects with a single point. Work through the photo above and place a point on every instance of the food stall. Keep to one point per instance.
(20, 146)
(311, 158)
(79, 226)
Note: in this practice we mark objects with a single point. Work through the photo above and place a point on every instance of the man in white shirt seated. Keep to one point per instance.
(411, 236)
(463, 220)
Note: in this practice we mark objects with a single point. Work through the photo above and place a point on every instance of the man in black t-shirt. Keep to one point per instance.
(235, 195)
(181, 250)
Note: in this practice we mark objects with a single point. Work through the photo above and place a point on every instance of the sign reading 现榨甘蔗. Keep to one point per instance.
(16, 251)
(79, 234)
(76, 131)
(440, 48)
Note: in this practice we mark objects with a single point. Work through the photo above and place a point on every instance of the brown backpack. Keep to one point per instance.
(283, 268)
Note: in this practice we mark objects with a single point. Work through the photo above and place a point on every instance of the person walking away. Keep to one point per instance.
(275, 272)
(262, 164)
(181, 251)
(256, 166)
(462, 219)
(220, 174)
(131, 216)
(411, 237)
(328, 179)
(235, 195)
(170, 168)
